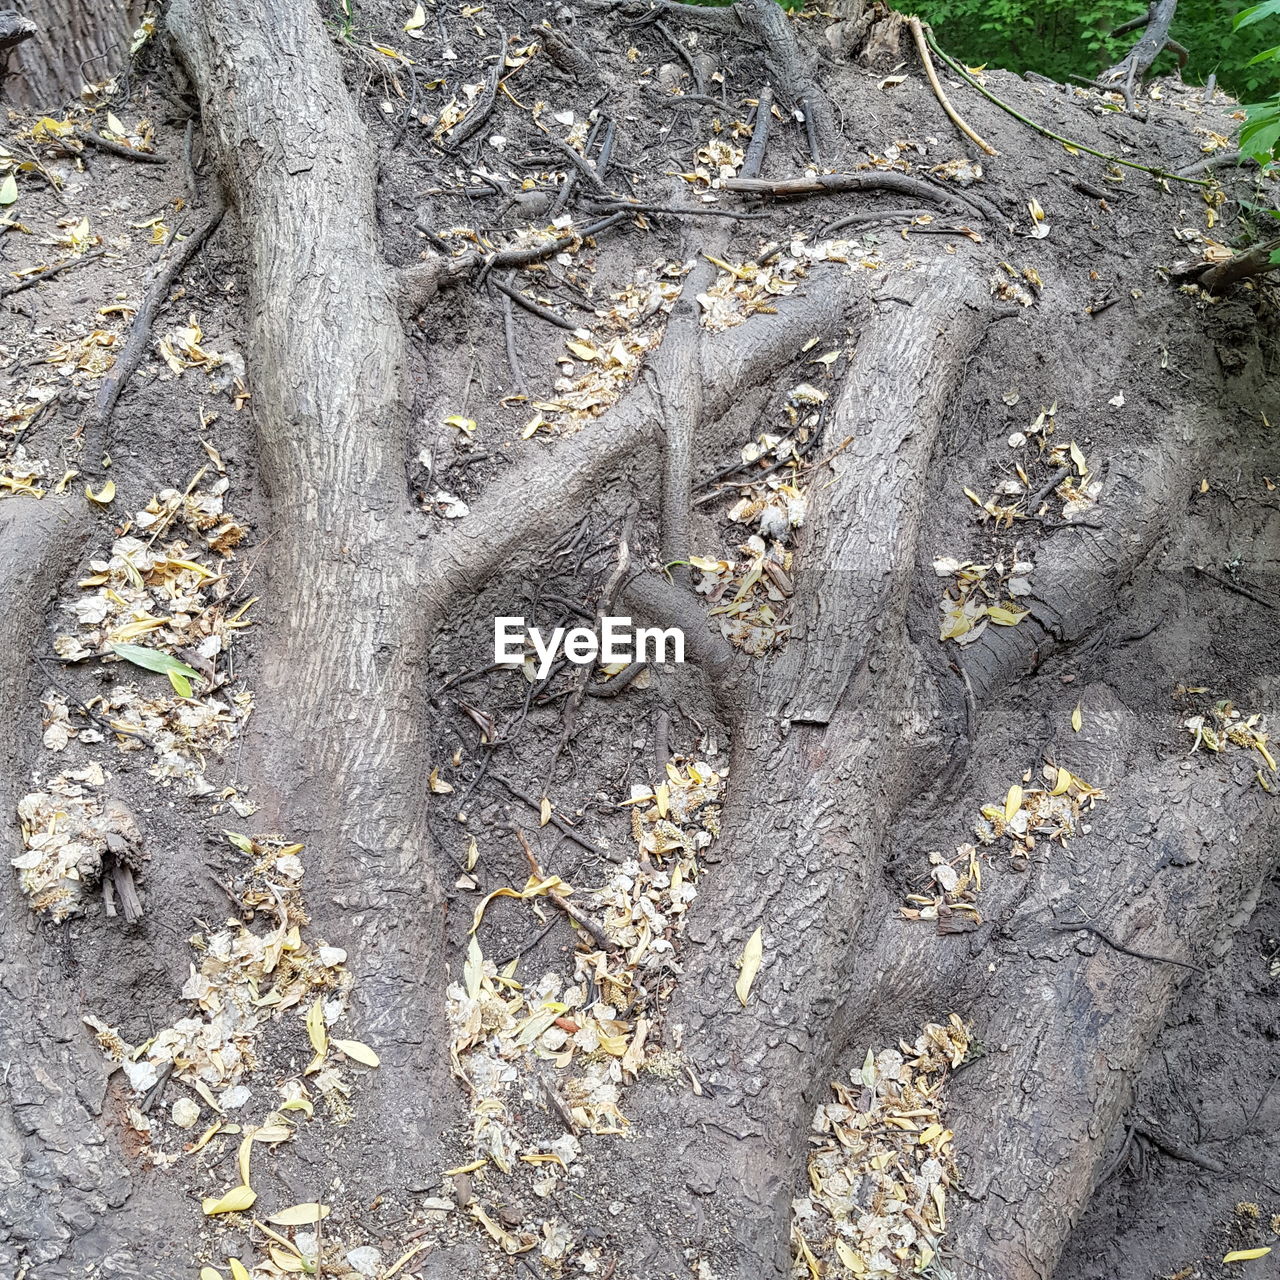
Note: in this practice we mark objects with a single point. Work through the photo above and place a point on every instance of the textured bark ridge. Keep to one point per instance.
(857, 749)
(340, 763)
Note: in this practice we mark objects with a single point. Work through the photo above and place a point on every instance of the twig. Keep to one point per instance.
(681, 211)
(874, 215)
(509, 332)
(1237, 588)
(1172, 1147)
(754, 159)
(811, 133)
(1049, 133)
(534, 308)
(1070, 927)
(576, 914)
(1219, 160)
(558, 822)
(1256, 261)
(922, 48)
(139, 337)
(48, 273)
(863, 180)
(117, 149)
(84, 710)
(1033, 503)
(475, 118)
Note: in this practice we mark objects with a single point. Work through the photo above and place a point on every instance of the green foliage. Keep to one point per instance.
(1066, 38)
(1261, 130)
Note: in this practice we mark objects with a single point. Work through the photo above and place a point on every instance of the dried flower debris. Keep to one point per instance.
(882, 1164)
(597, 370)
(167, 599)
(1078, 490)
(1027, 818)
(233, 1054)
(571, 1046)
(751, 596)
(1224, 726)
(66, 826)
(981, 594)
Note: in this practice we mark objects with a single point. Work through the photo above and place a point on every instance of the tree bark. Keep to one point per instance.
(74, 44)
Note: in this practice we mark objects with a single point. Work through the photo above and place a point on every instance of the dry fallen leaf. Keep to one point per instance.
(1247, 1255)
(235, 1200)
(300, 1215)
(1012, 802)
(357, 1051)
(1077, 718)
(316, 1032)
(752, 956)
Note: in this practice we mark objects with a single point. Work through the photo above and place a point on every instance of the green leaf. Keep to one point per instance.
(1268, 9)
(1274, 259)
(180, 675)
(1267, 55)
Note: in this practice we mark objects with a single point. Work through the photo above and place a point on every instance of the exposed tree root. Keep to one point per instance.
(340, 696)
(97, 427)
(1257, 261)
(952, 201)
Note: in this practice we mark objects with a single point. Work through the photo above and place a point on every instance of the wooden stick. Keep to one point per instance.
(922, 48)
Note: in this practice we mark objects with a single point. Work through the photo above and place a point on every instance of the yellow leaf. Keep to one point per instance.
(238, 1271)
(437, 784)
(246, 1149)
(1247, 1255)
(466, 425)
(752, 956)
(473, 969)
(1061, 783)
(417, 21)
(1077, 718)
(299, 1104)
(104, 495)
(290, 1262)
(1003, 617)
(1077, 456)
(316, 1031)
(544, 812)
(210, 1273)
(473, 853)
(583, 350)
(8, 189)
(115, 126)
(234, 1201)
(852, 1260)
(356, 1050)
(300, 1215)
(1012, 802)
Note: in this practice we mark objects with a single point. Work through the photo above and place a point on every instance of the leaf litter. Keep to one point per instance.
(575, 1044)
(882, 1163)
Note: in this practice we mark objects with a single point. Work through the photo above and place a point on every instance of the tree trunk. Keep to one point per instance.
(73, 45)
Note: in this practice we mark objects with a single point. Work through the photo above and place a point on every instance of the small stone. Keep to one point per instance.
(366, 1260)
